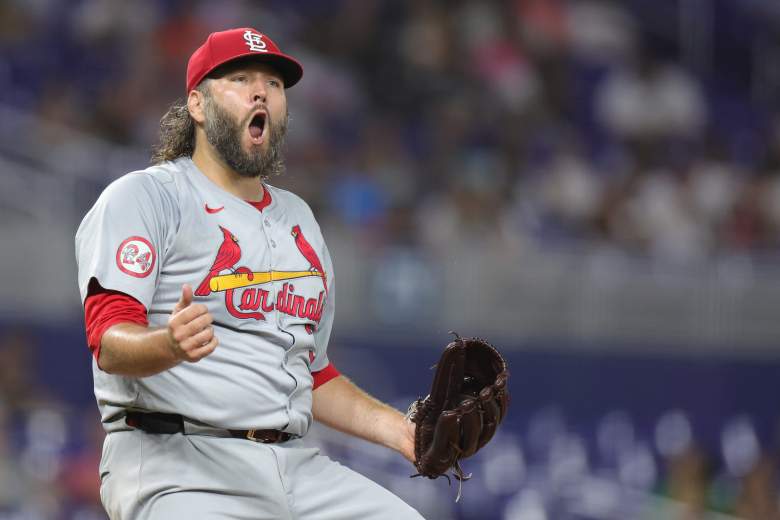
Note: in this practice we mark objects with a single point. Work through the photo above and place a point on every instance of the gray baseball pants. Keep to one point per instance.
(193, 477)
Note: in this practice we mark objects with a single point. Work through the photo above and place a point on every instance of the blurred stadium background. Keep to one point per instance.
(593, 185)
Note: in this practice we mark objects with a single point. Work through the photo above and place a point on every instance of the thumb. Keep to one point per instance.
(185, 299)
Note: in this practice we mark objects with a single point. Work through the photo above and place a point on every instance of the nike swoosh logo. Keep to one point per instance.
(214, 210)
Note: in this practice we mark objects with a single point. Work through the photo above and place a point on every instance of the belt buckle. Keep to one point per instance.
(265, 439)
(267, 436)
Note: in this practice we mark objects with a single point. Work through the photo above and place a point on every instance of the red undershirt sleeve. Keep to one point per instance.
(104, 308)
(323, 376)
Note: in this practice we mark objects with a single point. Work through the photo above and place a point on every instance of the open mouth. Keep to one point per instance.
(257, 127)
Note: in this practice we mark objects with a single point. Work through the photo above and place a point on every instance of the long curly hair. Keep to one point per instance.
(177, 134)
(177, 131)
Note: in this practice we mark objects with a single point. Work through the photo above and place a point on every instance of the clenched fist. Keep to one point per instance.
(190, 334)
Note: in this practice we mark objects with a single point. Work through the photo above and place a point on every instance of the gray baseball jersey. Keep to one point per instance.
(266, 277)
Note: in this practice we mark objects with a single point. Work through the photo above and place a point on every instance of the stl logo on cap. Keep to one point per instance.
(255, 41)
(225, 46)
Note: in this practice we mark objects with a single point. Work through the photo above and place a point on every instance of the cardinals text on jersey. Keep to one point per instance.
(244, 300)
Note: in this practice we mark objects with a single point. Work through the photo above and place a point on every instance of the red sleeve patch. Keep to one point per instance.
(136, 256)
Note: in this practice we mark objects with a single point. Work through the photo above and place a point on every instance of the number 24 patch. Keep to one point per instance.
(136, 256)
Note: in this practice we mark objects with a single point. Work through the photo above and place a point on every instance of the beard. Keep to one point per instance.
(224, 134)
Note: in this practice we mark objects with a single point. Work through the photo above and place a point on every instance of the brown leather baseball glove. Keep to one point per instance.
(468, 401)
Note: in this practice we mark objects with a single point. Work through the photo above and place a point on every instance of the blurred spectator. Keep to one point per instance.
(687, 482)
(571, 193)
(664, 219)
(758, 495)
(470, 212)
(18, 391)
(649, 103)
(601, 31)
(712, 187)
(12, 487)
(495, 56)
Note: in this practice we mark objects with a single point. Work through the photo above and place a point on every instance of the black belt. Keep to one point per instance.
(169, 423)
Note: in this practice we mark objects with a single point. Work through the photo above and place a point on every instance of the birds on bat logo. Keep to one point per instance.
(241, 284)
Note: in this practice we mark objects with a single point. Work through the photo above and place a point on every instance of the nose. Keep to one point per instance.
(258, 92)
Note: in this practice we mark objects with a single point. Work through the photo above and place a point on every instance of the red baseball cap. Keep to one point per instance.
(224, 46)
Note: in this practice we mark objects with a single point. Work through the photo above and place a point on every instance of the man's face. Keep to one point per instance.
(246, 118)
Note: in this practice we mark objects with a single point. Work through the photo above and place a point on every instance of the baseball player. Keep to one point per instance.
(209, 300)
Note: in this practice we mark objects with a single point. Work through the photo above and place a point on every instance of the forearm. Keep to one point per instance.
(343, 406)
(133, 350)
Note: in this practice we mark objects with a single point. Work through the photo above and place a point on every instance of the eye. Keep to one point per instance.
(240, 78)
(275, 83)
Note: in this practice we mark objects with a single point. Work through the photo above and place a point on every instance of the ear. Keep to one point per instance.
(195, 105)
